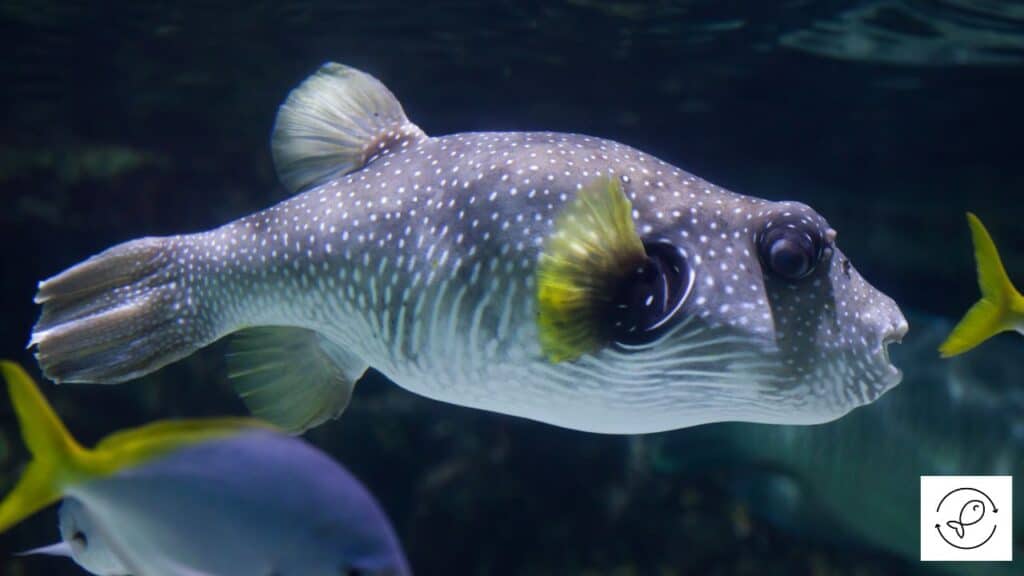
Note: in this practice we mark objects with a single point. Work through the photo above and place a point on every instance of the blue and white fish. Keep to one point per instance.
(196, 497)
(559, 277)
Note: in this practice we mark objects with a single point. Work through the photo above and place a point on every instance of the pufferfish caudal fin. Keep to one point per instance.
(1001, 307)
(59, 461)
(594, 242)
(334, 123)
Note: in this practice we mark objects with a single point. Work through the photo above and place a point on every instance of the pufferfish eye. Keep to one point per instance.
(645, 301)
(790, 251)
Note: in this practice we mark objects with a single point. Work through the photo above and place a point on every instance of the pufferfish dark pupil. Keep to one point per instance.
(789, 252)
(647, 299)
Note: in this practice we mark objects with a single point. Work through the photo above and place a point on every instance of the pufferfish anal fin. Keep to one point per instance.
(334, 123)
(594, 242)
(292, 377)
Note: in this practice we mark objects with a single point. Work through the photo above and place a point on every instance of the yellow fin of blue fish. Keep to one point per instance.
(594, 240)
(59, 461)
(1001, 307)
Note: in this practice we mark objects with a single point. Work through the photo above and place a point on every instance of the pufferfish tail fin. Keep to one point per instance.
(117, 316)
(57, 458)
(334, 123)
(1001, 307)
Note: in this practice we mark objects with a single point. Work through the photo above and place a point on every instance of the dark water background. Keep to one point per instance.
(131, 119)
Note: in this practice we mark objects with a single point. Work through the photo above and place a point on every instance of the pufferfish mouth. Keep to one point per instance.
(894, 336)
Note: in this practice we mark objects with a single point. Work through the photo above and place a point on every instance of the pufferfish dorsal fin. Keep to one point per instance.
(594, 241)
(333, 123)
(293, 378)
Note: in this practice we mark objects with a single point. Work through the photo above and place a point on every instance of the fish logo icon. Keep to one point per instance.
(972, 513)
(973, 527)
(966, 518)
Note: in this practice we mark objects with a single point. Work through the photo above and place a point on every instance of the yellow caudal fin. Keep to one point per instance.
(56, 457)
(58, 461)
(1001, 306)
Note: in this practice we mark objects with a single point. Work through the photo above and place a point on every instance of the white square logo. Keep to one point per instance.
(967, 518)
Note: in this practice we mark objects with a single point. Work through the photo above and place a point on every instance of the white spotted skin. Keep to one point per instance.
(423, 264)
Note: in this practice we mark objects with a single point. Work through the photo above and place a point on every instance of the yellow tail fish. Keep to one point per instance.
(210, 497)
(1001, 307)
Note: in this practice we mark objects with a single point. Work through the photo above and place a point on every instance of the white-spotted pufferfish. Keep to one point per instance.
(559, 277)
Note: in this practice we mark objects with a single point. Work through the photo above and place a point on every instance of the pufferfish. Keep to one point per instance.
(558, 277)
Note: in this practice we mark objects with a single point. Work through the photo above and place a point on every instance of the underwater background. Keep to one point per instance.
(890, 117)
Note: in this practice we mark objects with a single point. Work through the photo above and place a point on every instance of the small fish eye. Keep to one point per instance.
(80, 539)
(646, 300)
(789, 251)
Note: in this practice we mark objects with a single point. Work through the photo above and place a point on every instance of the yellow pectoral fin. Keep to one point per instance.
(594, 239)
(57, 457)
